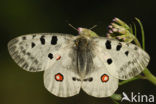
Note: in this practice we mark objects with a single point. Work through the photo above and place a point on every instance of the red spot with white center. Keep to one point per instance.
(104, 78)
(58, 58)
(59, 77)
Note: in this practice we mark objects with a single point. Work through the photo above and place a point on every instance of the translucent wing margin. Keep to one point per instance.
(33, 52)
(123, 60)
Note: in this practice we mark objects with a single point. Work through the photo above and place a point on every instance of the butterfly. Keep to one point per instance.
(71, 63)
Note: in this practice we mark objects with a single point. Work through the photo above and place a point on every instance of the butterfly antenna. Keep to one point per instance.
(93, 27)
(72, 27)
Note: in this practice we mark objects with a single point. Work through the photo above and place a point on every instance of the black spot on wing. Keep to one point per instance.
(28, 53)
(74, 79)
(36, 61)
(88, 79)
(135, 48)
(108, 44)
(24, 38)
(50, 55)
(33, 36)
(23, 51)
(32, 69)
(25, 65)
(54, 40)
(42, 40)
(119, 47)
(21, 60)
(32, 45)
(126, 53)
(109, 61)
(85, 80)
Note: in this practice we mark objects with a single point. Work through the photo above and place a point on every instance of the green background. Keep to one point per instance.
(18, 17)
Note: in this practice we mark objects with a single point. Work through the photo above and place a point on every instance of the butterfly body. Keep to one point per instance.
(70, 63)
(83, 56)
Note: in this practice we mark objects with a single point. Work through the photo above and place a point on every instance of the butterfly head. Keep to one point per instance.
(86, 32)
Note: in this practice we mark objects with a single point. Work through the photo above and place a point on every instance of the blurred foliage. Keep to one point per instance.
(19, 17)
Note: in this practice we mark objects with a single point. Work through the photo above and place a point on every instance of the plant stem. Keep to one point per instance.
(127, 81)
(149, 76)
(115, 102)
(137, 42)
(116, 97)
(142, 33)
(135, 30)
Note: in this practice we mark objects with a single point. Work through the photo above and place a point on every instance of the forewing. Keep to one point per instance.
(60, 78)
(122, 60)
(99, 83)
(34, 51)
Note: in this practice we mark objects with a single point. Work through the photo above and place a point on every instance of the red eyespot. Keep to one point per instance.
(104, 78)
(58, 77)
(58, 58)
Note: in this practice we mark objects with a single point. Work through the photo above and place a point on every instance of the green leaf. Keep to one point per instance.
(135, 30)
(142, 33)
(116, 97)
(115, 102)
(131, 28)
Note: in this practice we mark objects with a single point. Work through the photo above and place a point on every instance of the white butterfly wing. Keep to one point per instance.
(122, 60)
(34, 51)
(100, 83)
(59, 78)
(52, 53)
